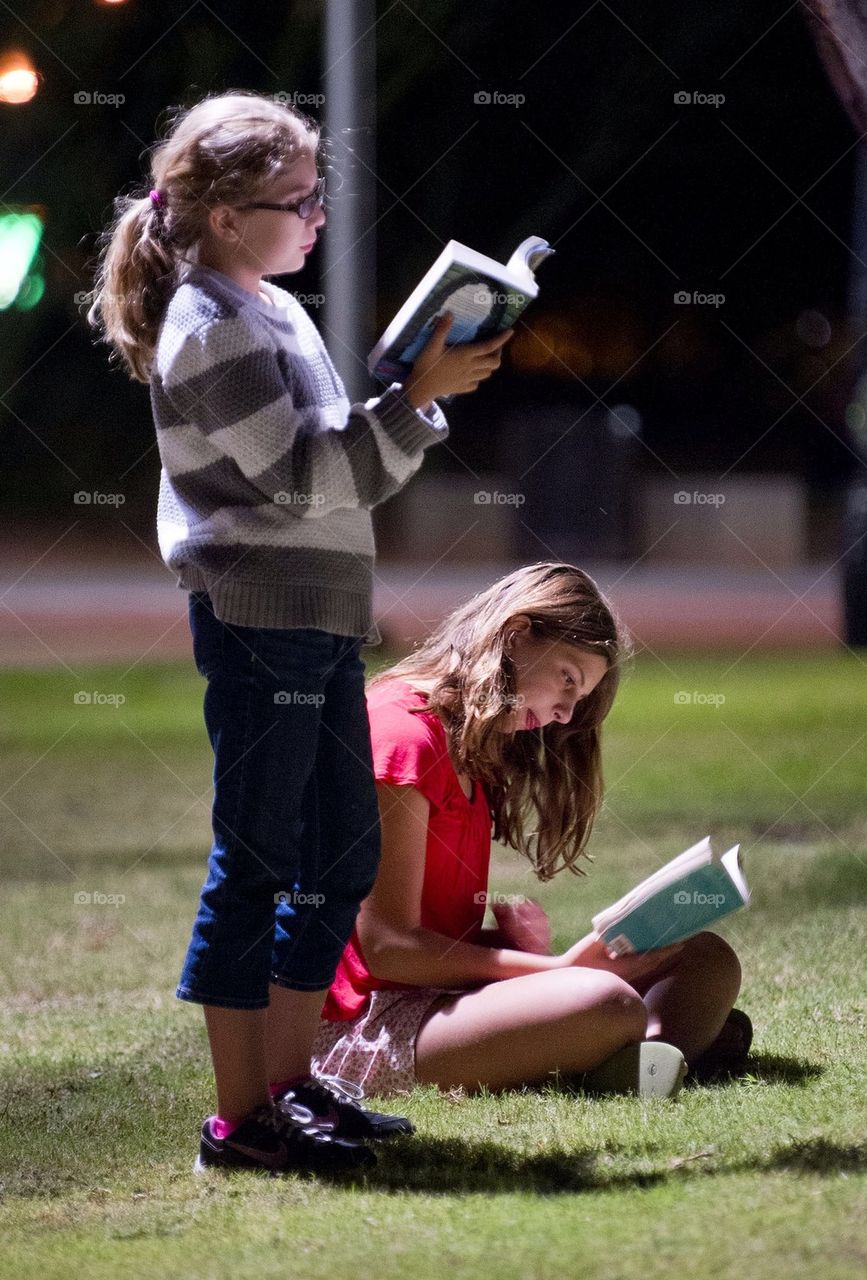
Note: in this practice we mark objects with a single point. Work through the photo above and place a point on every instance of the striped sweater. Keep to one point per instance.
(268, 474)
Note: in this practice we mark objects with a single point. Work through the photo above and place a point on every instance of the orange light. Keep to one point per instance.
(548, 344)
(18, 78)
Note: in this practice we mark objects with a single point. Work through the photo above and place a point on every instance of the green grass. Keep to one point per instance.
(105, 1075)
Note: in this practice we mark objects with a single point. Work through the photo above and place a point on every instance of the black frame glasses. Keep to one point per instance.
(304, 208)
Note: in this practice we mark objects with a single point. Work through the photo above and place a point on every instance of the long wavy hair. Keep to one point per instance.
(545, 785)
(224, 150)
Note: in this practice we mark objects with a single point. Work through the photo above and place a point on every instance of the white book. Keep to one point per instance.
(486, 297)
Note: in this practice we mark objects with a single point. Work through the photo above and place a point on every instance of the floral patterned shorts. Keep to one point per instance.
(377, 1049)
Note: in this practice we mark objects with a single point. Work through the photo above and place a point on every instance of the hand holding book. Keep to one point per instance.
(484, 297)
(440, 370)
(592, 953)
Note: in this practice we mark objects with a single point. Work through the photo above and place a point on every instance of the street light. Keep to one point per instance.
(18, 78)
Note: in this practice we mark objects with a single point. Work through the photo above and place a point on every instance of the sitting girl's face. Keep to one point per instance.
(550, 677)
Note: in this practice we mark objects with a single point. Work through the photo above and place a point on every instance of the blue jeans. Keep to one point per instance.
(295, 817)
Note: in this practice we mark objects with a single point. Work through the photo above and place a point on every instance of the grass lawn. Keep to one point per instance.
(105, 1075)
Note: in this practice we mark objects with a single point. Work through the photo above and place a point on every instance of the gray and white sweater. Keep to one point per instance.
(268, 474)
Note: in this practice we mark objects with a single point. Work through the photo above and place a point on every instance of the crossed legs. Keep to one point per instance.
(569, 1020)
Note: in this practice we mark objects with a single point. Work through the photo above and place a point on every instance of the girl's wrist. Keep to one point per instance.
(508, 963)
(416, 397)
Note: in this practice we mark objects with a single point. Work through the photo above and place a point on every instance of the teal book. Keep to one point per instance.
(485, 297)
(694, 890)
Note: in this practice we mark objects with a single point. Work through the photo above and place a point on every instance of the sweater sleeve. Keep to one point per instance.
(252, 402)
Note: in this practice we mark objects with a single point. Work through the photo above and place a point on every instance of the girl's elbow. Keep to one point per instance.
(382, 952)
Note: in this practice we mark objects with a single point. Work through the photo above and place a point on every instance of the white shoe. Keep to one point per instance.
(650, 1069)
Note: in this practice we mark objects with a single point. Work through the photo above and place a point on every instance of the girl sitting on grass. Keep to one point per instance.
(495, 718)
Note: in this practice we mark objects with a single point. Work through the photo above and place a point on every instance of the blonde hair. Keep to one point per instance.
(224, 150)
(553, 774)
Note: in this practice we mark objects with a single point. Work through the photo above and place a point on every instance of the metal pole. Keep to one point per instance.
(854, 559)
(349, 271)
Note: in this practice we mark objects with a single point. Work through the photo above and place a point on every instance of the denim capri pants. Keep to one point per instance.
(296, 836)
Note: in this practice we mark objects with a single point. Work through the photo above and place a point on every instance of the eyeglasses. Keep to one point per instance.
(304, 208)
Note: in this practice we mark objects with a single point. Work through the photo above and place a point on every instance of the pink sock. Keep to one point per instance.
(221, 1128)
(282, 1085)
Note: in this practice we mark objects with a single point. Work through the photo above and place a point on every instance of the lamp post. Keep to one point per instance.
(349, 246)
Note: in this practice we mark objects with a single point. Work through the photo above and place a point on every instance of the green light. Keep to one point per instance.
(31, 291)
(20, 234)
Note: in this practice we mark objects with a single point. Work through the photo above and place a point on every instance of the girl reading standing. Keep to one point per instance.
(268, 478)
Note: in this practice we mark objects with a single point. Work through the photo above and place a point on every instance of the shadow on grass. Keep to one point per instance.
(817, 1155)
(769, 1068)
(444, 1166)
(450, 1165)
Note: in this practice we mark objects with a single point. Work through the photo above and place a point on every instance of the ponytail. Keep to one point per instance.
(136, 274)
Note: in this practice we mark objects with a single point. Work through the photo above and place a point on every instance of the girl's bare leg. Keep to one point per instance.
(690, 998)
(252, 1047)
(237, 1038)
(293, 1020)
(522, 1029)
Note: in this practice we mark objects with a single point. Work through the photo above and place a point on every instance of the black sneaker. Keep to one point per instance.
(337, 1110)
(721, 1063)
(281, 1140)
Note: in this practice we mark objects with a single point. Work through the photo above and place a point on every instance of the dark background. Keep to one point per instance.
(690, 195)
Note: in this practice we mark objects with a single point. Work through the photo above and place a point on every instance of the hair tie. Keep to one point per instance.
(157, 198)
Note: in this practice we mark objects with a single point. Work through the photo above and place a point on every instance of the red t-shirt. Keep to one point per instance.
(411, 750)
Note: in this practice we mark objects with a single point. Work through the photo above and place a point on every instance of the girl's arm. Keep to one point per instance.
(394, 943)
(231, 397)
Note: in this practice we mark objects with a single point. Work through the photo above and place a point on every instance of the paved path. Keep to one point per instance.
(61, 604)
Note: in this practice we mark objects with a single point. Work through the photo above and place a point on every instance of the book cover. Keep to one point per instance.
(484, 296)
(691, 892)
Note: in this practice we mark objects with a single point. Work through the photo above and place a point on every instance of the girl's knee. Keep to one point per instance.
(712, 951)
(623, 1002)
(597, 991)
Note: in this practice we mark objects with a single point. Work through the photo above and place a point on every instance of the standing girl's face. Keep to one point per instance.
(283, 240)
(265, 242)
(550, 677)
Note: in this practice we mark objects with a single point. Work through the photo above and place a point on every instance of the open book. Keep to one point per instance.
(692, 891)
(484, 296)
